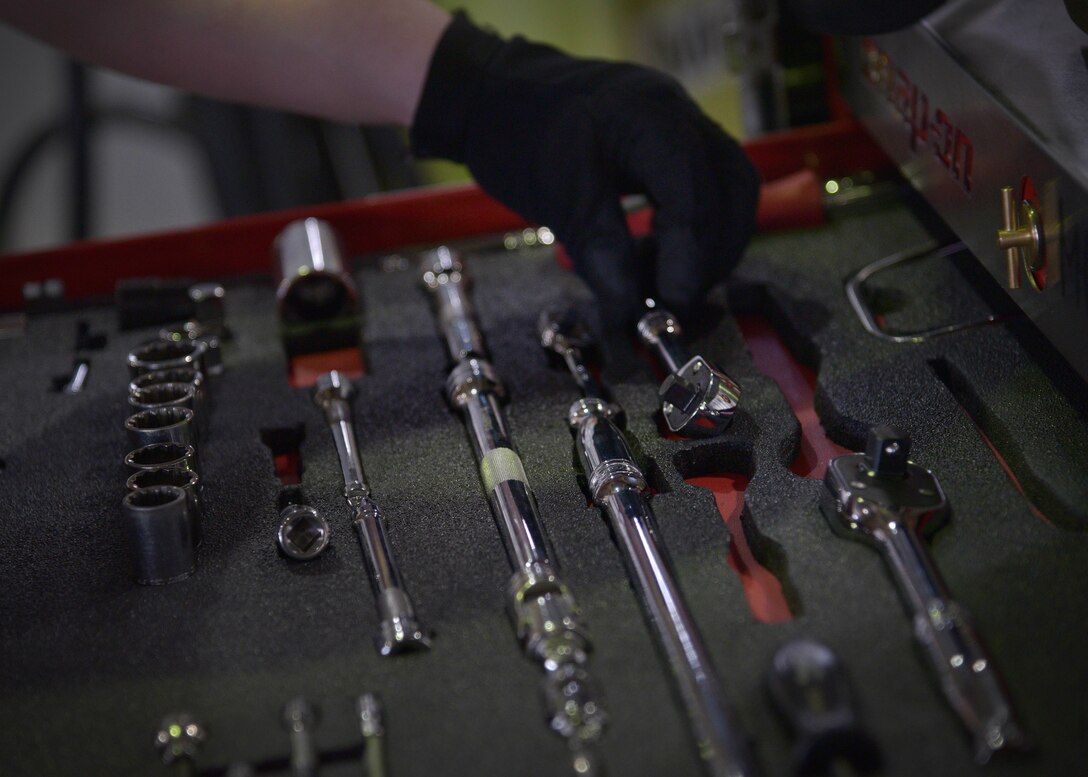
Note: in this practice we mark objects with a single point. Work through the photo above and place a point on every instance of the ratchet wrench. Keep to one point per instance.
(886, 500)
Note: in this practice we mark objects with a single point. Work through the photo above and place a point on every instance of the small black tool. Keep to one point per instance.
(809, 688)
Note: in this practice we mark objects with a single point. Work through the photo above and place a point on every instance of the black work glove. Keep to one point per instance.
(560, 140)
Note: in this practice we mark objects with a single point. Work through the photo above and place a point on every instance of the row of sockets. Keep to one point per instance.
(170, 399)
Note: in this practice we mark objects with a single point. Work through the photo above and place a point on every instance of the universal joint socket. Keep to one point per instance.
(697, 398)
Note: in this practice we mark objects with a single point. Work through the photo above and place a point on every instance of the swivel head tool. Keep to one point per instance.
(870, 486)
(886, 500)
(697, 398)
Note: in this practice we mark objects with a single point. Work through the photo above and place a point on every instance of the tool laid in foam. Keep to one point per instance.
(697, 398)
(618, 487)
(883, 498)
(400, 630)
(546, 618)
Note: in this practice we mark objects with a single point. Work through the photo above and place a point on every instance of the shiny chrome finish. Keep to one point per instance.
(168, 423)
(617, 486)
(399, 628)
(697, 398)
(166, 355)
(856, 296)
(159, 530)
(185, 479)
(195, 331)
(163, 455)
(313, 280)
(194, 377)
(303, 533)
(369, 709)
(444, 276)
(563, 334)
(884, 499)
(546, 618)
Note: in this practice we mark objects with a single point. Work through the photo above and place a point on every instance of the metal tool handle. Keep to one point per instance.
(944, 630)
(616, 485)
(474, 389)
(399, 630)
(444, 275)
(347, 450)
(661, 332)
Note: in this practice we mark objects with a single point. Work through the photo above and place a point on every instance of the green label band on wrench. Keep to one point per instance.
(499, 465)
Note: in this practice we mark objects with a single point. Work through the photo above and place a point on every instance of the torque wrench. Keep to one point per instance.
(399, 630)
(546, 618)
(697, 398)
(809, 688)
(617, 486)
(885, 500)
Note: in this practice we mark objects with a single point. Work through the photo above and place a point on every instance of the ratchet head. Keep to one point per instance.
(881, 485)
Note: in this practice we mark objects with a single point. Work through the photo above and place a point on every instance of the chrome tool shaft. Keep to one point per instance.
(618, 487)
(399, 629)
(885, 499)
(546, 617)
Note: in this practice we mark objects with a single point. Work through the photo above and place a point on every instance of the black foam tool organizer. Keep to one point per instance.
(91, 662)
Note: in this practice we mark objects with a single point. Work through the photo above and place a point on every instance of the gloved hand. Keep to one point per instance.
(560, 140)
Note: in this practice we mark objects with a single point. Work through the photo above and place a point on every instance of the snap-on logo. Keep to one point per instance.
(926, 127)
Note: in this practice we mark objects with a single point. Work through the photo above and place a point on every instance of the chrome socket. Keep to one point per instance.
(303, 533)
(163, 455)
(159, 530)
(169, 423)
(165, 355)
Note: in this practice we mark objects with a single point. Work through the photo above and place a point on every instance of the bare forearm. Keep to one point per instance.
(348, 60)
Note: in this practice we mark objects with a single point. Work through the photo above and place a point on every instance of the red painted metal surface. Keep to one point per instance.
(384, 222)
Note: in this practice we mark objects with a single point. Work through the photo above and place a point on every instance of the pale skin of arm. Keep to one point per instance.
(358, 61)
